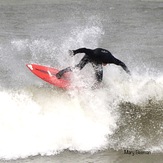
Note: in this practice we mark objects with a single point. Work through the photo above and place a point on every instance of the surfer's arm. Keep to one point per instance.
(81, 50)
(120, 63)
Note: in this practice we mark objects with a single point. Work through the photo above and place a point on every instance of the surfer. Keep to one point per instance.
(98, 58)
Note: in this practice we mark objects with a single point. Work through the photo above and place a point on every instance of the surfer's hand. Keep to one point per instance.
(71, 53)
(128, 71)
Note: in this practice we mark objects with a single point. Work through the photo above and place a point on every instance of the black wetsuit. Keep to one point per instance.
(97, 57)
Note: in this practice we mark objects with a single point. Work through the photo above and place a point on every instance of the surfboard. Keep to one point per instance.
(48, 74)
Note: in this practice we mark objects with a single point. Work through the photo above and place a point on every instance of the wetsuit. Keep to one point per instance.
(97, 57)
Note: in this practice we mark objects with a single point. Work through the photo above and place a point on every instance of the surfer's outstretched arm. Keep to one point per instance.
(120, 63)
(81, 50)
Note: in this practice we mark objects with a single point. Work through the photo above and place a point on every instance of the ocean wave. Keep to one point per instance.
(43, 120)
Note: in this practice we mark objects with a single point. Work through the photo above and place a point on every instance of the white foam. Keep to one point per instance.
(45, 123)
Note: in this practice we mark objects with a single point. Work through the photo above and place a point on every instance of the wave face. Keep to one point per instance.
(124, 113)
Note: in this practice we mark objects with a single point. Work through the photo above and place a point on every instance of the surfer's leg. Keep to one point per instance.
(98, 75)
(60, 73)
(98, 72)
(81, 64)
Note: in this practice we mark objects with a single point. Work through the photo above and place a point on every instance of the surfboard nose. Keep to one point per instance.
(29, 66)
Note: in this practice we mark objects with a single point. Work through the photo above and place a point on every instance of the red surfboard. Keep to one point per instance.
(48, 74)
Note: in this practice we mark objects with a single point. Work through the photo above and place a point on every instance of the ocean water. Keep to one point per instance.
(120, 122)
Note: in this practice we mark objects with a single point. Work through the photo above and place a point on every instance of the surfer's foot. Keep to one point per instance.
(58, 75)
